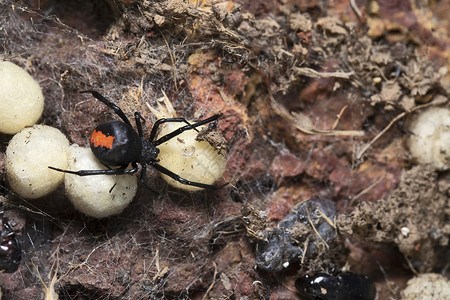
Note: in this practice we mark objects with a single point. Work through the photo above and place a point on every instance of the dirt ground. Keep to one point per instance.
(315, 98)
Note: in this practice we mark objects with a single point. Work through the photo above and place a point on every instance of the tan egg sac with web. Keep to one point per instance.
(190, 158)
(428, 137)
(21, 99)
(28, 156)
(98, 196)
(186, 155)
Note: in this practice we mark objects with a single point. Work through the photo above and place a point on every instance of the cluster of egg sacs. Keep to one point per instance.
(33, 149)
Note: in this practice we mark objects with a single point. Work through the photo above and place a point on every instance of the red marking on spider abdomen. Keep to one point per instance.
(99, 139)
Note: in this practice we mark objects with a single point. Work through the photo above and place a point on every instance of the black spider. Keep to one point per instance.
(10, 250)
(116, 143)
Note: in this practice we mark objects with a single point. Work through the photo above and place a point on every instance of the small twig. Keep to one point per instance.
(76, 266)
(224, 96)
(159, 273)
(335, 124)
(411, 266)
(355, 8)
(174, 69)
(158, 268)
(165, 108)
(308, 72)
(368, 145)
(305, 248)
(322, 214)
(367, 189)
(305, 125)
(314, 228)
(212, 283)
(386, 278)
(360, 154)
(381, 73)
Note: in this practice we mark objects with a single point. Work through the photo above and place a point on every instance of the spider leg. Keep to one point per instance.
(137, 120)
(184, 128)
(111, 105)
(1, 222)
(165, 120)
(119, 171)
(144, 184)
(182, 180)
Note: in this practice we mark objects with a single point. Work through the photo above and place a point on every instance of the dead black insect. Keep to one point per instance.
(344, 286)
(10, 250)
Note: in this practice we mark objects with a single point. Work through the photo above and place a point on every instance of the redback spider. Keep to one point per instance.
(116, 143)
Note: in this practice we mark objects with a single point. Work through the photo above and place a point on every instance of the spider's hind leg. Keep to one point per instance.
(183, 180)
(111, 105)
(119, 171)
(142, 180)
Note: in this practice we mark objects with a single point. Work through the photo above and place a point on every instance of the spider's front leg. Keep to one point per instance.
(180, 130)
(167, 120)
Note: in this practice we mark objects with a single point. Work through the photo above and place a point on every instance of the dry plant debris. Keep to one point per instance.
(347, 75)
(414, 217)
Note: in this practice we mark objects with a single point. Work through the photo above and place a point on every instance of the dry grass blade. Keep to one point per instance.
(308, 72)
(315, 230)
(305, 125)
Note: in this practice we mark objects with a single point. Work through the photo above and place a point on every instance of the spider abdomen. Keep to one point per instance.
(115, 143)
